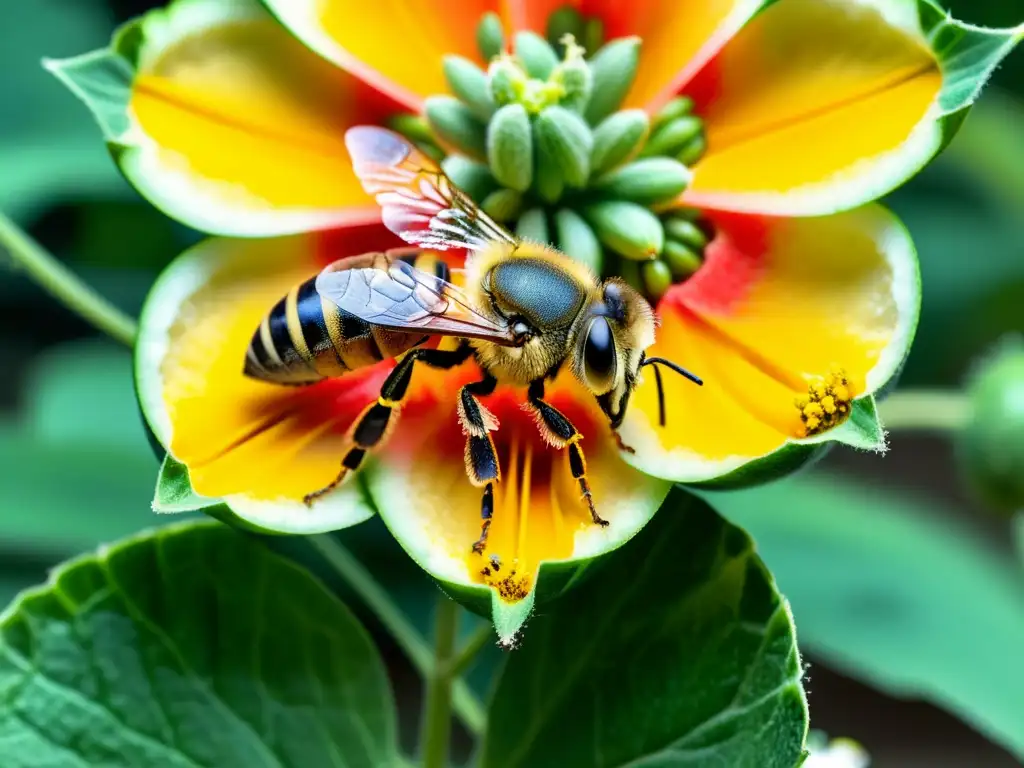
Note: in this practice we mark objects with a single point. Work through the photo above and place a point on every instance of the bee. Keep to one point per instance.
(524, 311)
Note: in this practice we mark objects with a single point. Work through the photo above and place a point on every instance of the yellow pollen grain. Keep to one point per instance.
(826, 404)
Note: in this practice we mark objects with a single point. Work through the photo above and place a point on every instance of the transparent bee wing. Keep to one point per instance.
(402, 297)
(418, 202)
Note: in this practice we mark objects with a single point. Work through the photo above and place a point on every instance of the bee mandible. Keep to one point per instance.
(525, 310)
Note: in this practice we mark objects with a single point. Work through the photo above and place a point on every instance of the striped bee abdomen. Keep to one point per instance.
(306, 338)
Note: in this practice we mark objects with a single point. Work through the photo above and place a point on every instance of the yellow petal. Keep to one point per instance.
(422, 492)
(259, 446)
(394, 45)
(815, 107)
(237, 128)
(780, 306)
(678, 39)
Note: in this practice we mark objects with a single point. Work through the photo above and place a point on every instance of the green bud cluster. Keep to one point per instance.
(539, 140)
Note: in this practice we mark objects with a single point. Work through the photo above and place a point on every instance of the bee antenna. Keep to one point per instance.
(654, 361)
(661, 396)
(677, 368)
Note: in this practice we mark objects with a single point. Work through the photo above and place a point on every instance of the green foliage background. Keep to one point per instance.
(898, 578)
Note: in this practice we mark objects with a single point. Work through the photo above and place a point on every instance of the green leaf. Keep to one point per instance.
(43, 154)
(896, 594)
(174, 489)
(191, 646)
(676, 651)
(967, 54)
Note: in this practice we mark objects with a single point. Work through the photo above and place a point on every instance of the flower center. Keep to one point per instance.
(540, 142)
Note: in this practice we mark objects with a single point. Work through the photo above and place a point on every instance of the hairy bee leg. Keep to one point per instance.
(372, 424)
(562, 434)
(482, 465)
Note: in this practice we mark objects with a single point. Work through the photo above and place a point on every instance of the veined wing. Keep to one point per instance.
(402, 297)
(418, 202)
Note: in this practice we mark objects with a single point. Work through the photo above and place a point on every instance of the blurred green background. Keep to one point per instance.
(908, 592)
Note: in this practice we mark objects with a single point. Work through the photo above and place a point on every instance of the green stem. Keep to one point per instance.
(468, 708)
(435, 733)
(483, 635)
(64, 285)
(926, 410)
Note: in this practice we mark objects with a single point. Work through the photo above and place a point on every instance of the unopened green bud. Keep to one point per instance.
(686, 231)
(613, 69)
(657, 278)
(566, 139)
(533, 225)
(626, 228)
(469, 83)
(471, 177)
(577, 240)
(574, 76)
(991, 447)
(673, 136)
(503, 205)
(506, 81)
(413, 127)
(564, 21)
(617, 139)
(677, 107)
(649, 180)
(693, 151)
(547, 179)
(682, 260)
(456, 126)
(593, 35)
(510, 147)
(538, 58)
(490, 38)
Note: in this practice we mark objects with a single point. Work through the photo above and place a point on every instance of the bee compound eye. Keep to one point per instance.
(599, 358)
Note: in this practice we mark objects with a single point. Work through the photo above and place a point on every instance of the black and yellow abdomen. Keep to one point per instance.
(305, 338)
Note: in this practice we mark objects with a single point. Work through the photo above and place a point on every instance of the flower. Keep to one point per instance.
(233, 120)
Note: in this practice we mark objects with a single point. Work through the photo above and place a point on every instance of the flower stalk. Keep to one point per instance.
(435, 733)
(466, 705)
(64, 285)
(925, 410)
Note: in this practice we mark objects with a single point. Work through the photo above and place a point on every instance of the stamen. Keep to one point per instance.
(826, 404)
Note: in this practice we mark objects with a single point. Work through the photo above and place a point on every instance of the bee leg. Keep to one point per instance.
(374, 422)
(481, 456)
(561, 433)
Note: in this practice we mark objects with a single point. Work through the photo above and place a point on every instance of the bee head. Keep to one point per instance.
(617, 328)
(612, 348)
